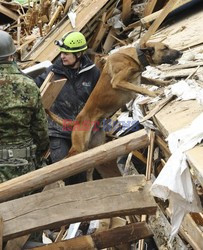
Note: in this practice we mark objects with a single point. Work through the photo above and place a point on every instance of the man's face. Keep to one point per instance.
(68, 58)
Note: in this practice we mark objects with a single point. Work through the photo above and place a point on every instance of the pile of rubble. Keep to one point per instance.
(118, 211)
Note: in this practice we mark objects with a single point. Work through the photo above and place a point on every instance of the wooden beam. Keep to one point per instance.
(166, 10)
(105, 239)
(109, 238)
(8, 12)
(73, 165)
(105, 198)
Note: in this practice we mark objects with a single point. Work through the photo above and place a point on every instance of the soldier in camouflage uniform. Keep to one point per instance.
(23, 123)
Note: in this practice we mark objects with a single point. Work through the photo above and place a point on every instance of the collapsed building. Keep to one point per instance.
(149, 191)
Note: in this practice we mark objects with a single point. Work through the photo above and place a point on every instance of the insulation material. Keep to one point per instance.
(174, 182)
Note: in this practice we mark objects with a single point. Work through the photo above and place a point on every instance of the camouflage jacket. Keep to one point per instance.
(22, 116)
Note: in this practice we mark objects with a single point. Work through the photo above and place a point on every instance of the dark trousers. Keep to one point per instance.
(59, 148)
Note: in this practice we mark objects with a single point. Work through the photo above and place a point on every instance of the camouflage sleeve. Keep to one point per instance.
(39, 127)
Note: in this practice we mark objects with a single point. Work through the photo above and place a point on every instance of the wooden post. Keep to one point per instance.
(167, 9)
(72, 165)
(148, 176)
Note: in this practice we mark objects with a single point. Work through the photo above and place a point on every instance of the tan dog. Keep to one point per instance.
(118, 84)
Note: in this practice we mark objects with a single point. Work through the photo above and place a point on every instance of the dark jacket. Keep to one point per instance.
(74, 94)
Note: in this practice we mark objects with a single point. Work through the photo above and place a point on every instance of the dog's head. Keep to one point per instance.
(158, 53)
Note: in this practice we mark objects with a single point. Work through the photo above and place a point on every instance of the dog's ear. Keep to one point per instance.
(149, 50)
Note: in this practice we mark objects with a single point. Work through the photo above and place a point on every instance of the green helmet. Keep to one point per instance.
(7, 47)
(73, 41)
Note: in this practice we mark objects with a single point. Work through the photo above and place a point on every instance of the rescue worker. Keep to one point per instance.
(82, 76)
(23, 122)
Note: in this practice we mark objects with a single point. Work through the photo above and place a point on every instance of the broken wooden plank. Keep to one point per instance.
(157, 108)
(8, 12)
(48, 79)
(148, 175)
(109, 238)
(118, 196)
(51, 91)
(182, 73)
(146, 20)
(166, 10)
(161, 229)
(182, 34)
(190, 231)
(185, 112)
(73, 165)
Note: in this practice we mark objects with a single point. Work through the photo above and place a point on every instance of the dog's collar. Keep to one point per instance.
(142, 57)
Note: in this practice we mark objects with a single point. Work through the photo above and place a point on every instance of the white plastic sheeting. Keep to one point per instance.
(174, 182)
(186, 90)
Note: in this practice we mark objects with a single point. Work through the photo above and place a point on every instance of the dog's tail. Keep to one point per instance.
(59, 120)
